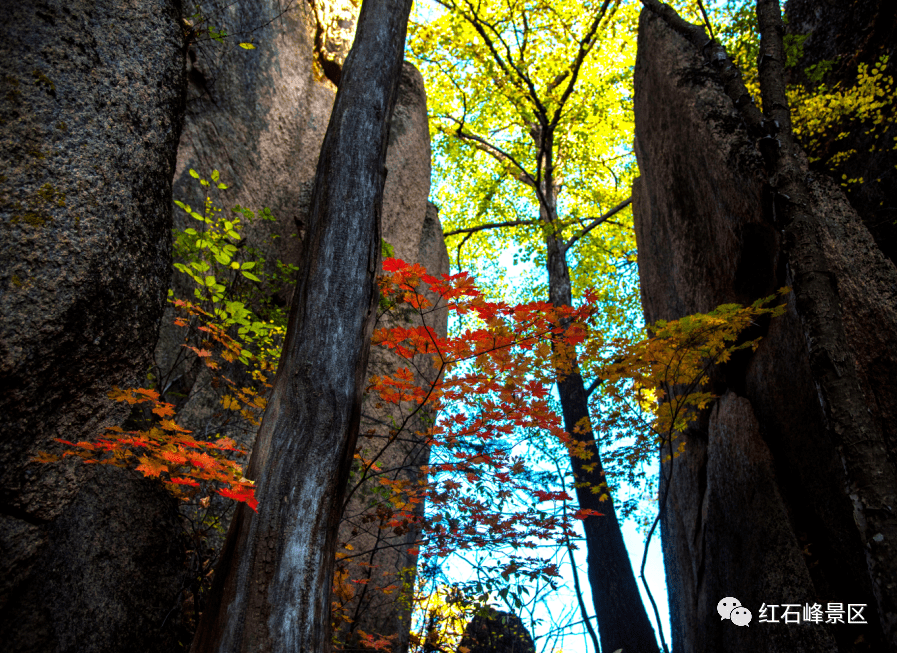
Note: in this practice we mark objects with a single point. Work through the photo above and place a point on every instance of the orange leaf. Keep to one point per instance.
(241, 493)
(164, 410)
(584, 513)
(176, 457)
(170, 425)
(151, 467)
(178, 480)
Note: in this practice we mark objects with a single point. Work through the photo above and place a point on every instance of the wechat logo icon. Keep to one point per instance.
(731, 608)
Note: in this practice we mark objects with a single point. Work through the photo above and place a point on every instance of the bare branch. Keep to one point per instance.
(490, 225)
(498, 154)
(597, 221)
(706, 20)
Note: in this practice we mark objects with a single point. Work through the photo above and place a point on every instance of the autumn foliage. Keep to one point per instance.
(165, 450)
(493, 391)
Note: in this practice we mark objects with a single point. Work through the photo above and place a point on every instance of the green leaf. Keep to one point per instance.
(222, 186)
(248, 265)
(182, 205)
(223, 259)
(203, 182)
(214, 175)
(247, 46)
(210, 281)
(200, 266)
(194, 174)
(249, 275)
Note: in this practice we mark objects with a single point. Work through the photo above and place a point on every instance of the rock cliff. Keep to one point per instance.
(761, 506)
(90, 117)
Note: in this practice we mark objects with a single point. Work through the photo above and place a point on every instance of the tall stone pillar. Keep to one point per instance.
(90, 115)
(762, 505)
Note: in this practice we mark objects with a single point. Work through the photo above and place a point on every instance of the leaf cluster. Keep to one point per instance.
(493, 394)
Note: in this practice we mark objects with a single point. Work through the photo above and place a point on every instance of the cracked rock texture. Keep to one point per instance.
(758, 506)
(90, 116)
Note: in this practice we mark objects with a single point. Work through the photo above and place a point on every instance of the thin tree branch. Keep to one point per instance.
(460, 245)
(585, 46)
(489, 225)
(576, 586)
(593, 385)
(479, 24)
(706, 20)
(492, 150)
(597, 221)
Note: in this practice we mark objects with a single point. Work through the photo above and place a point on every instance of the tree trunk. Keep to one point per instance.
(272, 587)
(91, 104)
(381, 556)
(622, 620)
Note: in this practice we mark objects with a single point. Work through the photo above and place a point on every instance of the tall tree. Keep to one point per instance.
(526, 99)
(272, 588)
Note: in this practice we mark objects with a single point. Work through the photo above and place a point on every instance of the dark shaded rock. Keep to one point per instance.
(497, 632)
(758, 506)
(90, 115)
(848, 33)
(110, 574)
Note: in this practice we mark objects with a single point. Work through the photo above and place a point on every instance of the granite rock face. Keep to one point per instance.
(259, 117)
(90, 117)
(758, 506)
